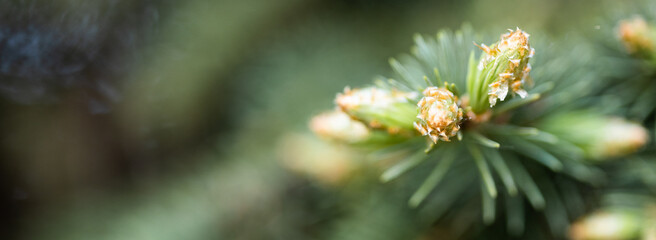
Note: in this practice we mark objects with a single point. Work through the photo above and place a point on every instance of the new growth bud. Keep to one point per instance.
(607, 225)
(600, 137)
(509, 58)
(337, 125)
(620, 138)
(637, 36)
(503, 68)
(379, 108)
(439, 114)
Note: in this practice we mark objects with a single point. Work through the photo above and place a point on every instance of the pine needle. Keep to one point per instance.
(425, 52)
(438, 78)
(402, 167)
(511, 130)
(392, 151)
(504, 172)
(539, 154)
(488, 206)
(574, 200)
(515, 103)
(471, 72)
(428, 82)
(433, 179)
(515, 215)
(544, 137)
(484, 140)
(525, 182)
(486, 175)
(556, 213)
(460, 184)
(398, 85)
(405, 74)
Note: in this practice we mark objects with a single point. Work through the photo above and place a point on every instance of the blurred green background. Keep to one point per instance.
(211, 99)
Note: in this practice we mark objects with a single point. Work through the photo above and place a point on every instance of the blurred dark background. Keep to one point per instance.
(163, 119)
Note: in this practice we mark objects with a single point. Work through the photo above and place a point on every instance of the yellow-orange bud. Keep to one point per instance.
(439, 114)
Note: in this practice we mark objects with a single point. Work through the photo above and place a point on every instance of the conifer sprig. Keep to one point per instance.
(476, 146)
